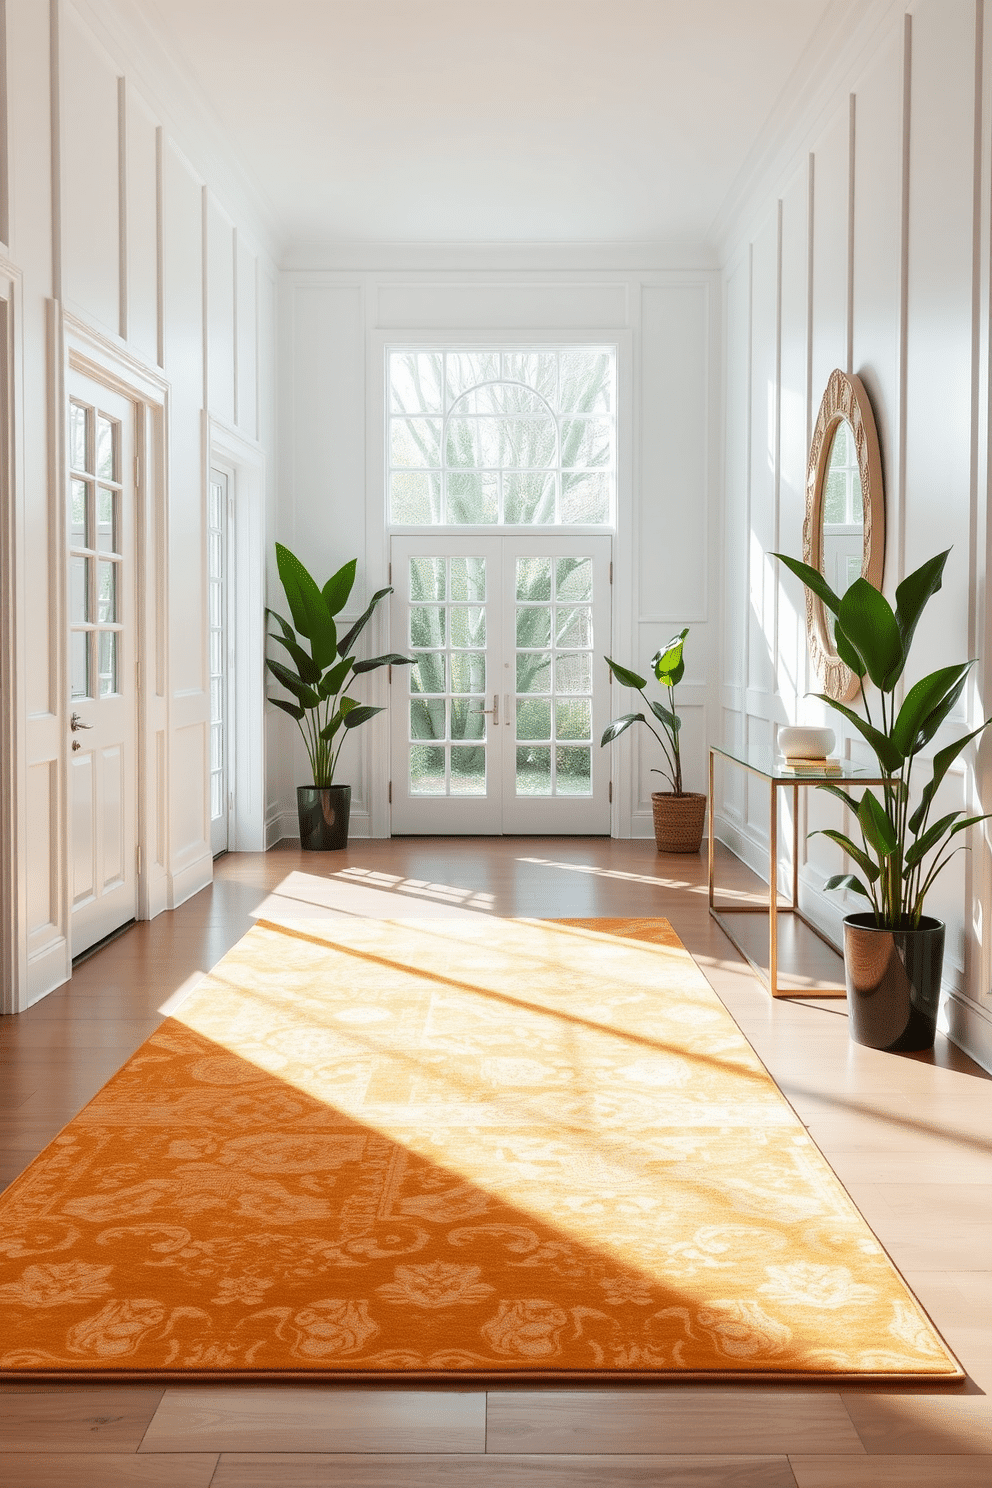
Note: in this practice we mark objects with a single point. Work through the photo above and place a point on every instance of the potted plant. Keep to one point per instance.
(678, 814)
(322, 665)
(893, 953)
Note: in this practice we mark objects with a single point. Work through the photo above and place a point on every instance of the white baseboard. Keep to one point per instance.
(47, 970)
(284, 826)
(970, 1027)
(190, 880)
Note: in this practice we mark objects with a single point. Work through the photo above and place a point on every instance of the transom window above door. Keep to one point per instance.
(502, 436)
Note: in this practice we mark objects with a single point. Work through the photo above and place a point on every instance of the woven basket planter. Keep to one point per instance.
(678, 821)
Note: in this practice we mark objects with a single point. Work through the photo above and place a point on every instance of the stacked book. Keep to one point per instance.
(813, 767)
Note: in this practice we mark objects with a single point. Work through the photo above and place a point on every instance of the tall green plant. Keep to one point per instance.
(323, 666)
(902, 851)
(669, 669)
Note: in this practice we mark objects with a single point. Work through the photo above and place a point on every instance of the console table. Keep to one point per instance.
(769, 766)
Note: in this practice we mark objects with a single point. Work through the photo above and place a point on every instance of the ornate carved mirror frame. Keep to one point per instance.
(844, 400)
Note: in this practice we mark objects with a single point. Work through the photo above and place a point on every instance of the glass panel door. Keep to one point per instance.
(496, 727)
(446, 741)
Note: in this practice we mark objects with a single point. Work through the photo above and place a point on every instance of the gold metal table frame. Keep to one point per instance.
(767, 766)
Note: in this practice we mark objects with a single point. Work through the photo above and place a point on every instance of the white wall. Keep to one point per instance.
(111, 222)
(867, 248)
(334, 325)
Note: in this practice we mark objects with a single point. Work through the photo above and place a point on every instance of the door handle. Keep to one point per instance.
(494, 710)
(75, 722)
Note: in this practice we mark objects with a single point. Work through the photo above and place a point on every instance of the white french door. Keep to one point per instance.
(496, 727)
(102, 655)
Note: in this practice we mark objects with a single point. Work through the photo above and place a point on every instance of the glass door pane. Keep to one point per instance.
(496, 727)
(445, 727)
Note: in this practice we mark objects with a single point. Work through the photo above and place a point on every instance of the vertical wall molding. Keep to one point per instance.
(122, 205)
(160, 242)
(4, 132)
(55, 16)
(897, 528)
(851, 173)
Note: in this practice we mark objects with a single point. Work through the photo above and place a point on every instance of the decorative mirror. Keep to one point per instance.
(844, 529)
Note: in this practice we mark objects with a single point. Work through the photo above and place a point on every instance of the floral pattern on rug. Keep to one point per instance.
(517, 1148)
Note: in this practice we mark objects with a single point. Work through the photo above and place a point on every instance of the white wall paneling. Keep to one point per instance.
(883, 198)
(667, 328)
(133, 253)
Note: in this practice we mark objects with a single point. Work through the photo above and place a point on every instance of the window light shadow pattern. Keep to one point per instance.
(478, 1148)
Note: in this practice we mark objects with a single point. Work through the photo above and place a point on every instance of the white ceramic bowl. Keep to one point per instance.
(800, 742)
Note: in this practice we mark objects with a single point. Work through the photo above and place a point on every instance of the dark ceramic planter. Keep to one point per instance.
(324, 811)
(893, 983)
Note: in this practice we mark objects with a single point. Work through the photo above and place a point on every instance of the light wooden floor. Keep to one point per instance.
(909, 1135)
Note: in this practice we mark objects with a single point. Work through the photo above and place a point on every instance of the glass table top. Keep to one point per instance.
(772, 765)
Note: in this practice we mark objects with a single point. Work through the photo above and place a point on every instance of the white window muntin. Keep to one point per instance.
(428, 423)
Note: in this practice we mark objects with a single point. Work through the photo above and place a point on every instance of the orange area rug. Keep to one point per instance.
(502, 1149)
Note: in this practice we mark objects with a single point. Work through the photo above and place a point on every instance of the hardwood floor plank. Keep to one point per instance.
(239, 1470)
(892, 1472)
(106, 1470)
(670, 1421)
(110, 1419)
(851, 1094)
(922, 1425)
(307, 1419)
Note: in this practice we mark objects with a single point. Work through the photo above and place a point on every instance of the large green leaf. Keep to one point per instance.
(392, 659)
(866, 618)
(669, 667)
(289, 634)
(869, 869)
(813, 579)
(291, 708)
(847, 652)
(304, 694)
(360, 715)
(847, 881)
(614, 729)
(934, 720)
(334, 680)
(306, 666)
(911, 597)
(339, 586)
(930, 838)
(928, 702)
(331, 728)
(850, 801)
(664, 715)
(626, 677)
(879, 832)
(890, 756)
(310, 614)
(348, 641)
(942, 762)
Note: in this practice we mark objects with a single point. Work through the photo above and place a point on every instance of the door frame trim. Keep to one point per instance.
(13, 734)
(380, 338)
(93, 355)
(243, 461)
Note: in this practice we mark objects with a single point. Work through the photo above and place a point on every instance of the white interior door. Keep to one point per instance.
(102, 662)
(496, 728)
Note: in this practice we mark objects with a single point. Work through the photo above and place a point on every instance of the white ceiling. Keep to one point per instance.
(610, 121)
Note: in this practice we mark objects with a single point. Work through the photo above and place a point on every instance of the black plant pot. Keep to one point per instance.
(893, 983)
(324, 811)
